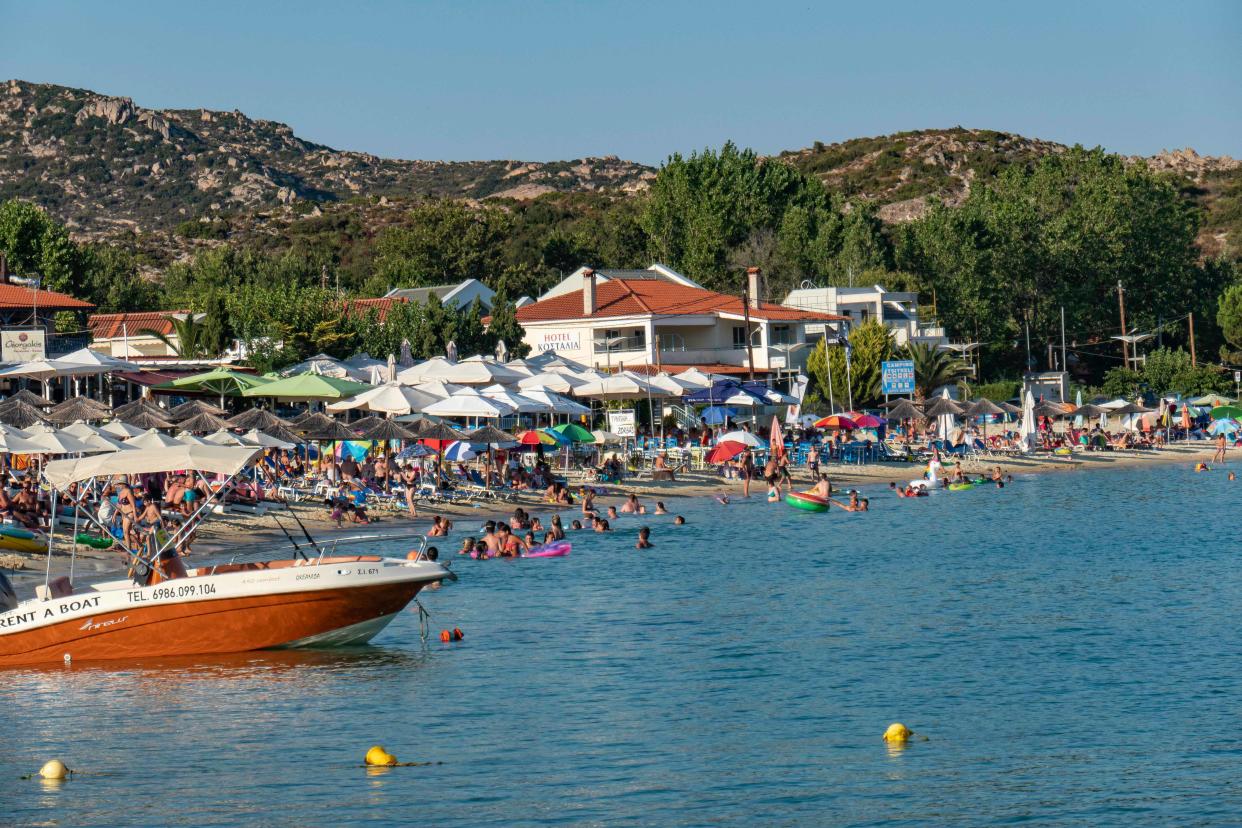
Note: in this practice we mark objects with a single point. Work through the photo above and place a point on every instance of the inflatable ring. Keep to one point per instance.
(807, 502)
(556, 549)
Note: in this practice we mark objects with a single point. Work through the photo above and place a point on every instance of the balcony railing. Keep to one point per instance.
(613, 344)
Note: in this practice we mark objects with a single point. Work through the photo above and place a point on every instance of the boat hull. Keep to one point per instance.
(134, 623)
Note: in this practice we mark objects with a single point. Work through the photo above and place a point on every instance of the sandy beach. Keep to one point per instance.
(232, 533)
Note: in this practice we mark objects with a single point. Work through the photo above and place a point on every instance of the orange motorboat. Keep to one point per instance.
(164, 609)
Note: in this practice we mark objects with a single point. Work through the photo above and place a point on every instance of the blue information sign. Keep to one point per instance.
(897, 376)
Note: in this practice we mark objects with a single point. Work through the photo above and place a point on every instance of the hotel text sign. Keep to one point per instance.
(560, 341)
(22, 346)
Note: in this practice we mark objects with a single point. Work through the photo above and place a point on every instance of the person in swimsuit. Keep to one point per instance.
(511, 546)
(644, 539)
(557, 531)
(439, 527)
(660, 510)
(1219, 456)
(150, 522)
(822, 488)
(629, 507)
(409, 478)
(490, 539)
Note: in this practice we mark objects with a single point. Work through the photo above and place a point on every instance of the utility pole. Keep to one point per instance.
(1193, 363)
(1125, 346)
(1064, 358)
(750, 351)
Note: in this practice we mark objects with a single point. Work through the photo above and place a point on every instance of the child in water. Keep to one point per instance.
(644, 539)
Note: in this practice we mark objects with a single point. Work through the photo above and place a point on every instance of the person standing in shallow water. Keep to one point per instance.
(1219, 456)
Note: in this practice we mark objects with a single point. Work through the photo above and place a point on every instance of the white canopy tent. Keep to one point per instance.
(389, 398)
(561, 383)
(469, 405)
(214, 459)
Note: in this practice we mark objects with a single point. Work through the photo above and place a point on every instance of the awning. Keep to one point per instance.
(213, 459)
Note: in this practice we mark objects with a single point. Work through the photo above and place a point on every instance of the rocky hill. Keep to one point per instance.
(103, 164)
(900, 171)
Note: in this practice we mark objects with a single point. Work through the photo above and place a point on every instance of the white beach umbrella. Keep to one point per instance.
(123, 430)
(439, 389)
(103, 442)
(12, 444)
(476, 371)
(519, 402)
(153, 438)
(557, 403)
(520, 366)
(224, 437)
(603, 437)
(45, 369)
(469, 405)
(622, 386)
(552, 361)
(389, 398)
(82, 430)
(423, 371)
(746, 438)
(55, 442)
(1027, 429)
(672, 386)
(188, 439)
(697, 378)
(87, 356)
(259, 438)
(560, 382)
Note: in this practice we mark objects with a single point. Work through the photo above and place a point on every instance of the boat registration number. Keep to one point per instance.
(161, 593)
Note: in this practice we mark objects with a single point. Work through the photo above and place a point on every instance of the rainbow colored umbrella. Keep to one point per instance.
(536, 437)
(836, 421)
(869, 421)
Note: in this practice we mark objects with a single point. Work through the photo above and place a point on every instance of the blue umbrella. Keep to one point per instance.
(1223, 427)
(717, 414)
(722, 391)
(561, 439)
(416, 450)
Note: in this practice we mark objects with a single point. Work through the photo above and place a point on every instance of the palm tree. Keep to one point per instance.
(933, 368)
(188, 337)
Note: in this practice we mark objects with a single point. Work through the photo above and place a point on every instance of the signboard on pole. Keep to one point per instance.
(897, 376)
(23, 346)
(621, 423)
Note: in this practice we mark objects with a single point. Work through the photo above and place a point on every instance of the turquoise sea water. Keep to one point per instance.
(1069, 646)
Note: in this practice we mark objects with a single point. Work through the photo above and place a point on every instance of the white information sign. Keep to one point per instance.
(621, 423)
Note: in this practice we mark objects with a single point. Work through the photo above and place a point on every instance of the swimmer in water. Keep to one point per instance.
(679, 521)
(660, 510)
(723, 500)
(774, 493)
(644, 539)
(1232, 476)
(822, 488)
(467, 546)
(576, 525)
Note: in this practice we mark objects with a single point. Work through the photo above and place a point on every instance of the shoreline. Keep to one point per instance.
(220, 535)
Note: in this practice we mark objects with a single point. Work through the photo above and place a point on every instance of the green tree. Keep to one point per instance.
(34, 244)
(933, 368)
(115, 284)
(187, 338)
(871, 343)
(703, 206)
(471, 336)
(1121, 383)
(217, 333)
(504, 327)
(1229, 315)
(443, 242)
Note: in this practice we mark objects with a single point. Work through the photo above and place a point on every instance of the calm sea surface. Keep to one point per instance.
(1069, 645)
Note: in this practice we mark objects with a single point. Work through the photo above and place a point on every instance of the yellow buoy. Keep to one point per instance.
(54, 769)
(897, 732)
(378, 756)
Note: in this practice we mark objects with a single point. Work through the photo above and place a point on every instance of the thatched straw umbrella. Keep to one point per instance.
(20, 414)
(29, 397)
(139, 405)
(78, 408)
(203, 423)
(365, 424)
(145, 420)
(259, 418)
(192, 409)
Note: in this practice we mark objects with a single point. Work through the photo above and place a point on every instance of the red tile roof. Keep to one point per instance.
(642, 297)
(16, 296)
(383, 305)
(118, 325)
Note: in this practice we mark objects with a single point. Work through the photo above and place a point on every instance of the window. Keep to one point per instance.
(782, 335)
(739, 336)
(862, 315)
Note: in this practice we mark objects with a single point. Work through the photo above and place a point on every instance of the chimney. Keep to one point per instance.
(588, 292)
(753, 285)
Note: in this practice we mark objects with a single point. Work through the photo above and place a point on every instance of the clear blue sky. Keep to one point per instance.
(548, 80)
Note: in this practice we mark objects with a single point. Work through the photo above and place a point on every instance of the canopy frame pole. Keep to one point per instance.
(51, 538)
(192, 521)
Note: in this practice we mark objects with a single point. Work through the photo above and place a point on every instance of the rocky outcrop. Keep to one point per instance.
(96, 161)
